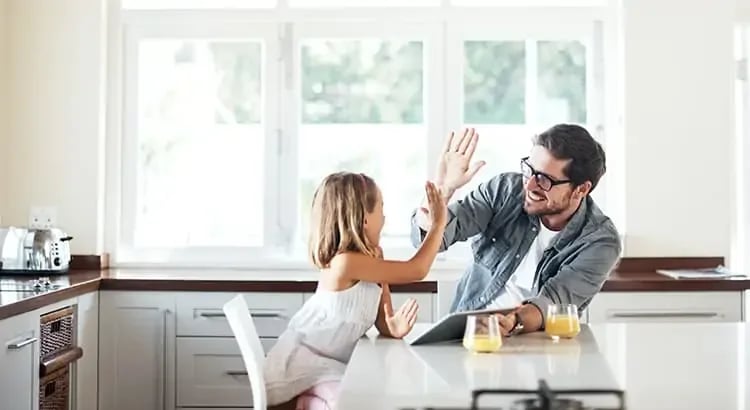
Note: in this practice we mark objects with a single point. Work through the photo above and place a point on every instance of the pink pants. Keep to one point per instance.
(319, 397)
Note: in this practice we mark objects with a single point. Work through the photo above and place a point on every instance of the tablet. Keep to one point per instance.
(450, 328)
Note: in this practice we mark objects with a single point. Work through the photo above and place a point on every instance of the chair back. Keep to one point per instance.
(241, 322)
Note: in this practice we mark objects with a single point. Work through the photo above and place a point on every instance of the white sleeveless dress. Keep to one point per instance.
(319, 341)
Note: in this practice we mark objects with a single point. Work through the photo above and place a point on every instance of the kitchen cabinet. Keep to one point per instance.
(201, 314)
(161, 350)
(19, 359)
(87, 368)
(137, 350)
(427, 309)
(666, 307)
(210, 372)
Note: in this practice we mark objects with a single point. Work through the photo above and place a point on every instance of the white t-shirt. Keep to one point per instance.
(520, 285)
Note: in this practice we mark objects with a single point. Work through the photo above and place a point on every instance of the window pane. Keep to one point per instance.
(494, 82)
(361, 81)
(362, 112)
(200, 144)
(363, 3)
(393, 155)
(197, 4)
(562, 82)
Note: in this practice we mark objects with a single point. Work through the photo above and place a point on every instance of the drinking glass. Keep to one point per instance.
(562, 321)
(482, 334)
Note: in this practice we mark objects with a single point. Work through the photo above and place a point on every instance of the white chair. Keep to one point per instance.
(238, 316)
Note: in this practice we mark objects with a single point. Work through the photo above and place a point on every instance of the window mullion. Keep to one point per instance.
(288, 138)
(440, 98)
(532, 68)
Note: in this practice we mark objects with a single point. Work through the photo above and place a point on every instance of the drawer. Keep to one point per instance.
(211, 373)
(666, 307)
(424, 300)
(200, 314)
(56, 331)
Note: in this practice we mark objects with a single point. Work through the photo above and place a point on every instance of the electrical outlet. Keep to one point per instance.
(42, 217)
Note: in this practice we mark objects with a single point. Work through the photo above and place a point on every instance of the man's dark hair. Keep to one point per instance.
(573, 142)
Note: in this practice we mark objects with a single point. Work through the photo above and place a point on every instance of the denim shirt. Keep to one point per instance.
(572, 269)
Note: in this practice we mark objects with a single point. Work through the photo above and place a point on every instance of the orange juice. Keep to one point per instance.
(562, 326)
(483, 343)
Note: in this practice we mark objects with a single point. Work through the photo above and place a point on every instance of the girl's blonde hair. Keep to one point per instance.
(340, 204)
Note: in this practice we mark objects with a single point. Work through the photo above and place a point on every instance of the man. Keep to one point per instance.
(538, 237)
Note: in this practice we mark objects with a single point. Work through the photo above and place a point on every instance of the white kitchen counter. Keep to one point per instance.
(658, 365)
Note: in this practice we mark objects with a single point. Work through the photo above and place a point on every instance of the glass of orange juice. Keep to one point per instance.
(562, 321)
(482, 334)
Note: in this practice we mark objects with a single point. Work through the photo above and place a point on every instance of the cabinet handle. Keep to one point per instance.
(22, 343)
(50, 364)
(268, 315)
(256, 314)
(236, 373)
(212, 314)
(665, 315)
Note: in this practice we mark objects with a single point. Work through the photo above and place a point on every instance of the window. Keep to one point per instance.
(199, 122)
(517, 85)
(362, 109)
(231, 120)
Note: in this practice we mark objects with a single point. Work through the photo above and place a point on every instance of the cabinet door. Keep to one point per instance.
(424, 300)
(19, 358)
(136, 350)
(666, 307)
(87, 367)
(201, 314)
(211, 373)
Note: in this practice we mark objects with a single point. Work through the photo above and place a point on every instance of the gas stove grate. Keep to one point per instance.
(543, 398)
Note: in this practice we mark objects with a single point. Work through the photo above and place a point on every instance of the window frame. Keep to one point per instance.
(426, 32)
(443, 30)
(584, 26)
(126, 250)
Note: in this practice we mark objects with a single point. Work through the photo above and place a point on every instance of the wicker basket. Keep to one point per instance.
(54, 390)
(56, 329)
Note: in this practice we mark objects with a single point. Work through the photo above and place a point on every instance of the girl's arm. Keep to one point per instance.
(380, 322)
(356, 266)
(395, 325)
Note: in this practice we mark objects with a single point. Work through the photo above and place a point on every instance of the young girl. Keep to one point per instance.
(309, 358)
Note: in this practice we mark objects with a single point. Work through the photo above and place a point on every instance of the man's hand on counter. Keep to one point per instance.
(527, 317)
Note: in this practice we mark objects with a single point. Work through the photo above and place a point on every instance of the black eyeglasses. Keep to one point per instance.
(544, 181)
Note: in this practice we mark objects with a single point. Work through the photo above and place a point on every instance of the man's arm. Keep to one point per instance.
(576, 283)
(466, 217)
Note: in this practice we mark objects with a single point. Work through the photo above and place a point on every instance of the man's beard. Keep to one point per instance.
(544, 209)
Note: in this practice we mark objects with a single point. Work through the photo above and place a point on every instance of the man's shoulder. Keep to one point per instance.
(504, 186)
(599, 226)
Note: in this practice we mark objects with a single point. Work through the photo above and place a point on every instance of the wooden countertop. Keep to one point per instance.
(632, 275)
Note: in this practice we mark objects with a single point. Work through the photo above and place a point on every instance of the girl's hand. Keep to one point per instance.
(437, 210)
(400, 323)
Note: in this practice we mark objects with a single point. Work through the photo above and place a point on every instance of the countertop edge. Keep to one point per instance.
(46, 299)
(106, 280)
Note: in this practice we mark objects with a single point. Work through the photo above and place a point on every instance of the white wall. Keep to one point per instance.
(56, 72)
(679, 127)
(743, 10)
(3, 108)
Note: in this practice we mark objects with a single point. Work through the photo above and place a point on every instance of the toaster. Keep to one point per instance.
(24, 250)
